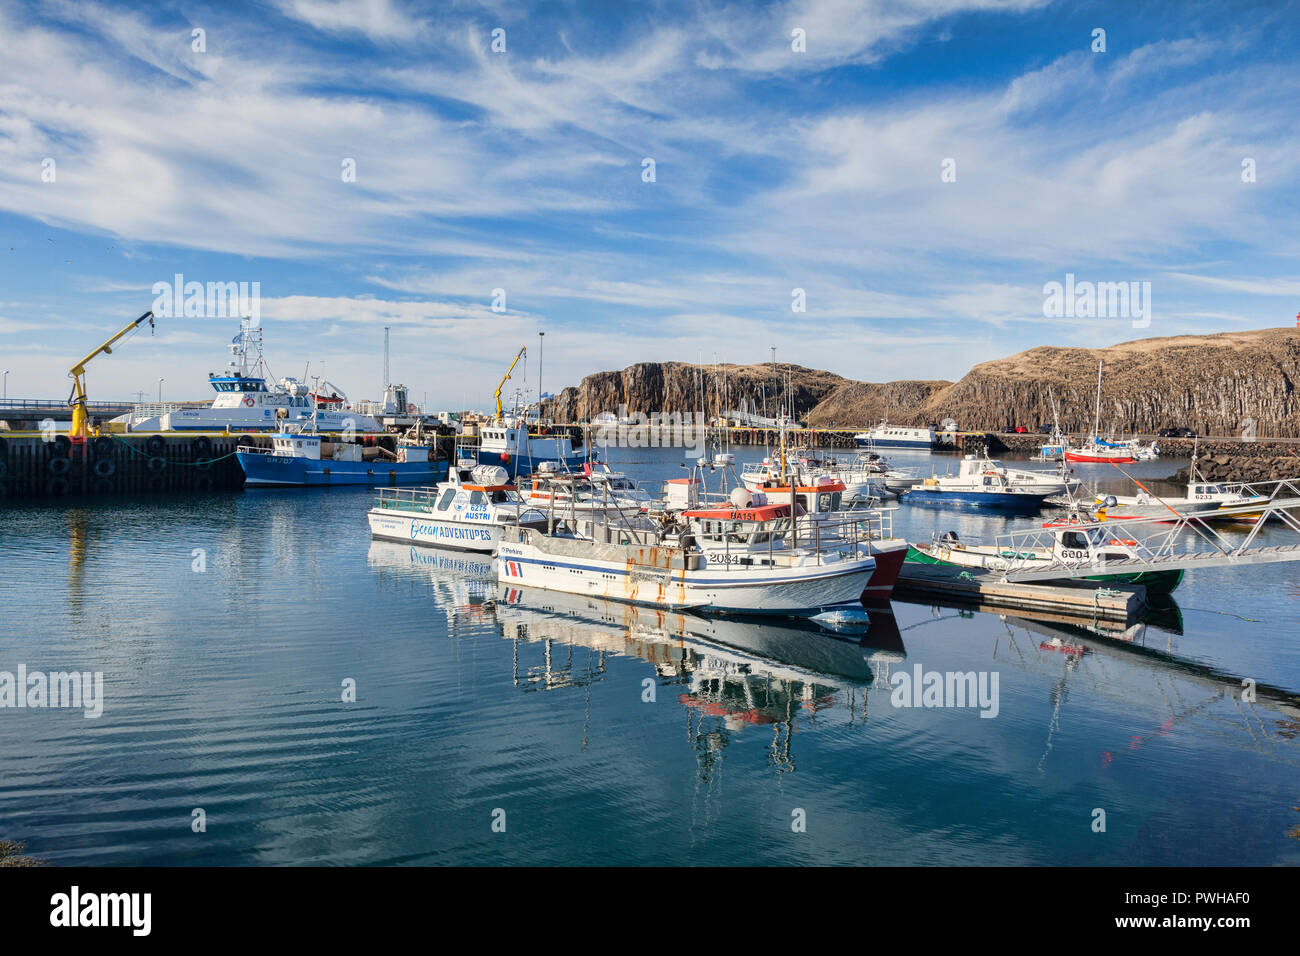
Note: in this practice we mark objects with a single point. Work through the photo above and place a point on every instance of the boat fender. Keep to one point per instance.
(202, 446)
(157, 464)
(104, 468)
(58, 486)
(155, 445)
(58, 466)
(102, 446)
(103, 486)
(505, 458)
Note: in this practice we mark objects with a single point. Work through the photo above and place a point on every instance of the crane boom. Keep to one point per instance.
(521, 353)
(80, 420)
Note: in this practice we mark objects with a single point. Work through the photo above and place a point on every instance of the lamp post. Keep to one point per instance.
(160, 381)
(6, 395)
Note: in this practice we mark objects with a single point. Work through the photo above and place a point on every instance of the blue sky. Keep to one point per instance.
(522, 170)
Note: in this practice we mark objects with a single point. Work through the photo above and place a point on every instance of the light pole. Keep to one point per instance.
(160, 381)
(7, 379)
(541, 340)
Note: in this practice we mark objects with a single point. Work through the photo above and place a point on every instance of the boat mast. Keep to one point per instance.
(1096, 419)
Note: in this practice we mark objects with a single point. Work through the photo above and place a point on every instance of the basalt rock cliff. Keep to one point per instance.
(1232, 383)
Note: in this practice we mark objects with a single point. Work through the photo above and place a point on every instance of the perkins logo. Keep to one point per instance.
(102, 909)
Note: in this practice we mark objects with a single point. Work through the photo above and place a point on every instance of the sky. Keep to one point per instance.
(920, 169)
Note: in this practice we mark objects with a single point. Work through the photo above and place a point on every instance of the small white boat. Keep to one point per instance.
(861, 475)
(595, 488)
(466, 512)
(885, 435)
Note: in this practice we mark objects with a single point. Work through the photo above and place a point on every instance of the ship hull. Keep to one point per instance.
(479, 537)
(791, 592)
(1158, 582)
(286, 472)
(981, 498)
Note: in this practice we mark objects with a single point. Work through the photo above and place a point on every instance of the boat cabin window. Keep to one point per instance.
(1074, 539)
(497, 497)
(445, 501)
(477, 499)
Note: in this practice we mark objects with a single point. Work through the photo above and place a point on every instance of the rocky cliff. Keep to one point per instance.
(681, 387)
(1224, 384)
(1215, 384)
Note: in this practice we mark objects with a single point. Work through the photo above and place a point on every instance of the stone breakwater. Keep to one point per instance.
(1218, 459)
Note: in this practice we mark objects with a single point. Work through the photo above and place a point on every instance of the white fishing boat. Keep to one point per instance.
(861, 475)
(594, 488)
(731, 559)
(885, 435)
(466, 512)
(248, 400)
(1203, 499)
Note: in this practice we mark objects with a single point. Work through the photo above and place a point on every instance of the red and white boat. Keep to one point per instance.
(1095, 449)
(1101, 452)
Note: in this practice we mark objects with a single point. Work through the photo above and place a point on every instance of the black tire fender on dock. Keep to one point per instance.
(4, 468)
(203, 483)
(203, 464)
(155, 445)
(105, 468)
(103, 486)
(63, 443)
(4, 447)
(57, 466)
(156, 483)
(157, 464)
(102, 446)
(202, 446)
(58, 486)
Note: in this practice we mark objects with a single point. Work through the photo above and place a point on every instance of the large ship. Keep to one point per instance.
(248, 400)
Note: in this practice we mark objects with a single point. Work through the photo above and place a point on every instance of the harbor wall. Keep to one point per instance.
(33, 467)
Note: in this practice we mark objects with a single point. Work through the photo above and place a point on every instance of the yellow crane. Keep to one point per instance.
(80, 420)
(522, 352)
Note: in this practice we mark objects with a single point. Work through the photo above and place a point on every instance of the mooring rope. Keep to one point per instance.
(190, 464)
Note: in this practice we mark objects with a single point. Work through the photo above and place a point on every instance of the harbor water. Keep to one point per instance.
(496, 726)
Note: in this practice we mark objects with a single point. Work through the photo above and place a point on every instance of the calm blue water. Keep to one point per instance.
(223, 691)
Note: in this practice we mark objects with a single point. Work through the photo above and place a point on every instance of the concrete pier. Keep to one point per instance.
(983, 589)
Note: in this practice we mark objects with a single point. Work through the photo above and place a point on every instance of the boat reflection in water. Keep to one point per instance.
(1267, 721)
(729, 673)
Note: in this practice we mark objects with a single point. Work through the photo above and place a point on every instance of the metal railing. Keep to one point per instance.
(1152, 543)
